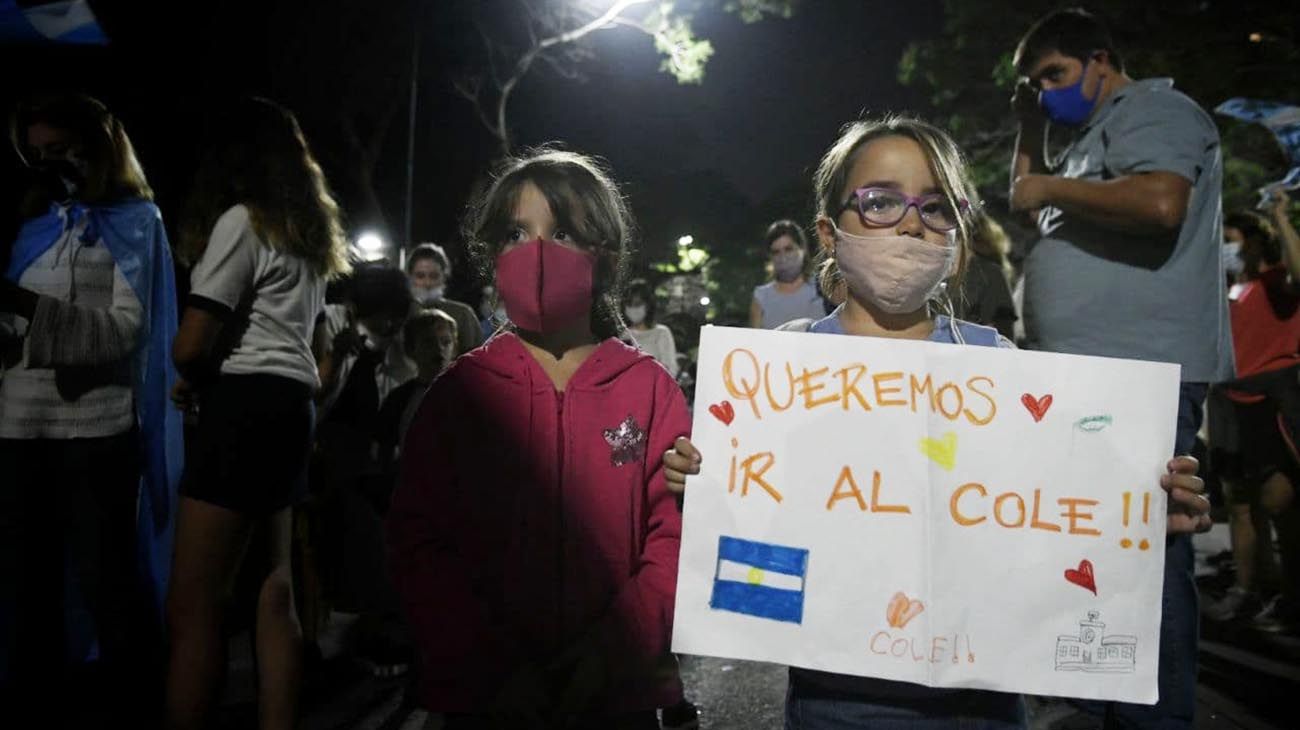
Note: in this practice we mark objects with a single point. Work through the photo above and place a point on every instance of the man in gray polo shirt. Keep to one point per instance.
(1127, 263)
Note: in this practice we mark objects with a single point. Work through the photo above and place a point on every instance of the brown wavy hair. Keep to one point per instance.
(256, 155)
(113, 172)
(584, 200)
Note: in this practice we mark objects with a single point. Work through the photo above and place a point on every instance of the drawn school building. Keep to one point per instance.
(1091, 651)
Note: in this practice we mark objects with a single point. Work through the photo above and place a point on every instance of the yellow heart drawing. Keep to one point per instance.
(941, 451)
(902, 609)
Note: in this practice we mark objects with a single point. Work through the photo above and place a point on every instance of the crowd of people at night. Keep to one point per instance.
(255, 427)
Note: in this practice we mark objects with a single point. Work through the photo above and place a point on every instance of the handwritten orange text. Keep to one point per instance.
(944, 648)
(776, 387)
(752, 468)
(846, 487)
(970, 506)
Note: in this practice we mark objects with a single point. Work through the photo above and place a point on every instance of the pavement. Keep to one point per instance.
(1244, 677)
(730, 695)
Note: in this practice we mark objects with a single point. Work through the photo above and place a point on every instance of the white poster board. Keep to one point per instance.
(948, 515)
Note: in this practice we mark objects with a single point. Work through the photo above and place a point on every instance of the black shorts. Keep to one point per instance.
(250, 449)
(1263, 452)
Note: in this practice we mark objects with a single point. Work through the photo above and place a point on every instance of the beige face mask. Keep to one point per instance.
(898, 274)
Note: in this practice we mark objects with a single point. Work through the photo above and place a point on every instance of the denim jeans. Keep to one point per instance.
(1179, 621)
(809, 709)
(643, 720)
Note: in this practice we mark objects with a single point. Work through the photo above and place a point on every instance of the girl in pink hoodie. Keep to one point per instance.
(531, 535)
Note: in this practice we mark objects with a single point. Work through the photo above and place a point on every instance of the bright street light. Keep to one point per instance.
(704, 301)
(685, 241)
(370, 242)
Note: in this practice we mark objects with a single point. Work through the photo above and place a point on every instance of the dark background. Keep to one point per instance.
(718, 160)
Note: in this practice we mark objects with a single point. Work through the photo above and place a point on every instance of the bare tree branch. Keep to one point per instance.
(543, 22)
(490, 51)
(471, 89)
(635, 24)
(533, 18)
(605, 19)
(566, 71)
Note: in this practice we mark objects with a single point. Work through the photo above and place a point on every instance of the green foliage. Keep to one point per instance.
(1004, 73)
(723, 222)
(690, 260)
(685, 56)
(1251, 160)
(752, 11)
(515, 35)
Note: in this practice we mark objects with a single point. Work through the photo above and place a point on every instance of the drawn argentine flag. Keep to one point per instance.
(758, 579)
(66, 21)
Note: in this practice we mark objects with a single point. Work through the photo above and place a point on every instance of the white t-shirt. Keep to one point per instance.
(269, 300)
(658, 343)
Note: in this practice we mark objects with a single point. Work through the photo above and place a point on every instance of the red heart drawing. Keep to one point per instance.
(723, 412)
(1082, 577)
(1037, 407)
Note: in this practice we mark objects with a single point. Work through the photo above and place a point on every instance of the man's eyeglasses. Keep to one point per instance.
(885, 207)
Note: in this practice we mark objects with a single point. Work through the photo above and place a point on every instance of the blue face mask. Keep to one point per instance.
(1068, 106)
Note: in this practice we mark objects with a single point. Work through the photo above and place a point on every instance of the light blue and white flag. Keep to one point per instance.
(759, 579)
(66, 21)
(1283, 120)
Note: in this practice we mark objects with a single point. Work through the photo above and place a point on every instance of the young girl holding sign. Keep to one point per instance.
(894, 216)
(531, 535)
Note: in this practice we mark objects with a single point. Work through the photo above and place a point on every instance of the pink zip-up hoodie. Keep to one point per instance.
(526, 519)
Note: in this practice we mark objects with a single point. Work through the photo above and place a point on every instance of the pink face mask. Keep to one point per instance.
(544, 285)
(898, 274)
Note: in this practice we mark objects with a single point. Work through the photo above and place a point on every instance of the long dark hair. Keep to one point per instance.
(1259, 232)
(112, 170)
(583, 198)
(787, 227)
(256, 155)
(641, 289)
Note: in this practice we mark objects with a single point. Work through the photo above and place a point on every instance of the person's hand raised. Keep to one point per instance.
(1024, 104)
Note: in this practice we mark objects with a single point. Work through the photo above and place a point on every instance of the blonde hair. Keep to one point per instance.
(947, 164)
(258, 156)
(990, 240)
(113, 171)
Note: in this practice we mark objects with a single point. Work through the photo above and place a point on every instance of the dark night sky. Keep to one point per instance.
(773, 96)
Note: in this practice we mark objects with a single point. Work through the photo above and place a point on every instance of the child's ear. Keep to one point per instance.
(826, 234)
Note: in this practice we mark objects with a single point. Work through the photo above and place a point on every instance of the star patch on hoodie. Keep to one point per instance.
(626, 443)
